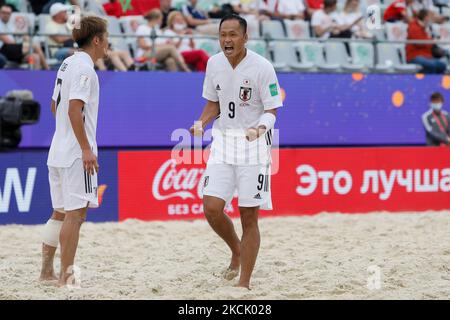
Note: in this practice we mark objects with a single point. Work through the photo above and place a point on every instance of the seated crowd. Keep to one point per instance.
(174, 49)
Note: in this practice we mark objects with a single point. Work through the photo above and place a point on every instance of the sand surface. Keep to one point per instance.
(326, 256)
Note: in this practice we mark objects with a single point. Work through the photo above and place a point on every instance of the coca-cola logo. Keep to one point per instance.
(171, 182)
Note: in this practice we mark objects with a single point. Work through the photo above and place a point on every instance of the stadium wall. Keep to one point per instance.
(155, 185)
(142, 109)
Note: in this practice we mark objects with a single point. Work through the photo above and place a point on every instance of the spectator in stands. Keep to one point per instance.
(113, 8)
(399, 10)
(311, 7)
(290, 9)
(119, 60)
(14, 51)
(259, 9)
(352, 17)
(166, 9)
(49, 4)
(14, 4)
(436, 122)
(325, 22)
(177, 26)
(422, 54)
(418, 5)
(222, 8)
(164, 53)
(199, 20)
(61, 39)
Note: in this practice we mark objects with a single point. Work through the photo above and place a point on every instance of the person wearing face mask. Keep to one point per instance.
(436, 122)
(419, 53)
(163, 53)
(177, 26)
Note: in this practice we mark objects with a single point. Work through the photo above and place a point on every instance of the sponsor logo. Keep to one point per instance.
(169, 182)
(257, 196)
(100, 191)
(273, 89)
(13, 182)
(84, 81)
(218, 88)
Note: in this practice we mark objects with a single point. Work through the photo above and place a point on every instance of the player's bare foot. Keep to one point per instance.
(48, 277)
(230, 274)
(233, 270)
(243, 285)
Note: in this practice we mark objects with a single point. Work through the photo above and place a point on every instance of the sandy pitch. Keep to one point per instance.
(319, 257)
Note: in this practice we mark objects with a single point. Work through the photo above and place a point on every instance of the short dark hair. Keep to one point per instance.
(233, 16)
(90, 27)
(6, 5)
(329, 3)
(436, 96)
(153, 14)
(422, 14)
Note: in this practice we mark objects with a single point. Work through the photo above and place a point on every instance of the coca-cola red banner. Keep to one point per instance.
(154, 185)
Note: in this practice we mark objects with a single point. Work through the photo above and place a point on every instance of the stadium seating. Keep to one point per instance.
(336, 54)
(273, 29)
(363, 54)
(297, 29)
(391, 59)
(285, 57)
(295, 50)
(312, 52)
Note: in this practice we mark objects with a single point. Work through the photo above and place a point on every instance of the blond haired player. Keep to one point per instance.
(243, 94)
(72, 159)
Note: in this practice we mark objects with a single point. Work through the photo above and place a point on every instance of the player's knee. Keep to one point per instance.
(58, 216)
(212, 210)
(249, 219)
(75, 218)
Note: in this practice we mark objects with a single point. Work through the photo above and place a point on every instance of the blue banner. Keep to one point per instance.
(144, 108)
(25, 193)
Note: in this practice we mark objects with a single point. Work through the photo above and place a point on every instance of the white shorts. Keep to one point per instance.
(72, 188)
(251, 182)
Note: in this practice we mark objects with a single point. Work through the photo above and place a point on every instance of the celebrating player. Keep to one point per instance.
(242, 92)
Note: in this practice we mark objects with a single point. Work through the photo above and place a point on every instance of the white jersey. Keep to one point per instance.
(76, 80)
(244, 93)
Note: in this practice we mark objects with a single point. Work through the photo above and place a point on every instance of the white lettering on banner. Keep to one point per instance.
(387, 183)
(325, 176)
(197, 208)
(346, 176)
(418, 180)
(178, 209)
(311, 179)
(370, 176)
(182, 182)
(407, 181)
(308, 175)
(12, 180)
(445, 180)
(426, 186)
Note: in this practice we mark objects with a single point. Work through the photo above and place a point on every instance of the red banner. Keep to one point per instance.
(152, 186)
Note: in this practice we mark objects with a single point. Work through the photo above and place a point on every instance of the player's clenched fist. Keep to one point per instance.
(251, 134)
(254, 133)
(197, 129)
